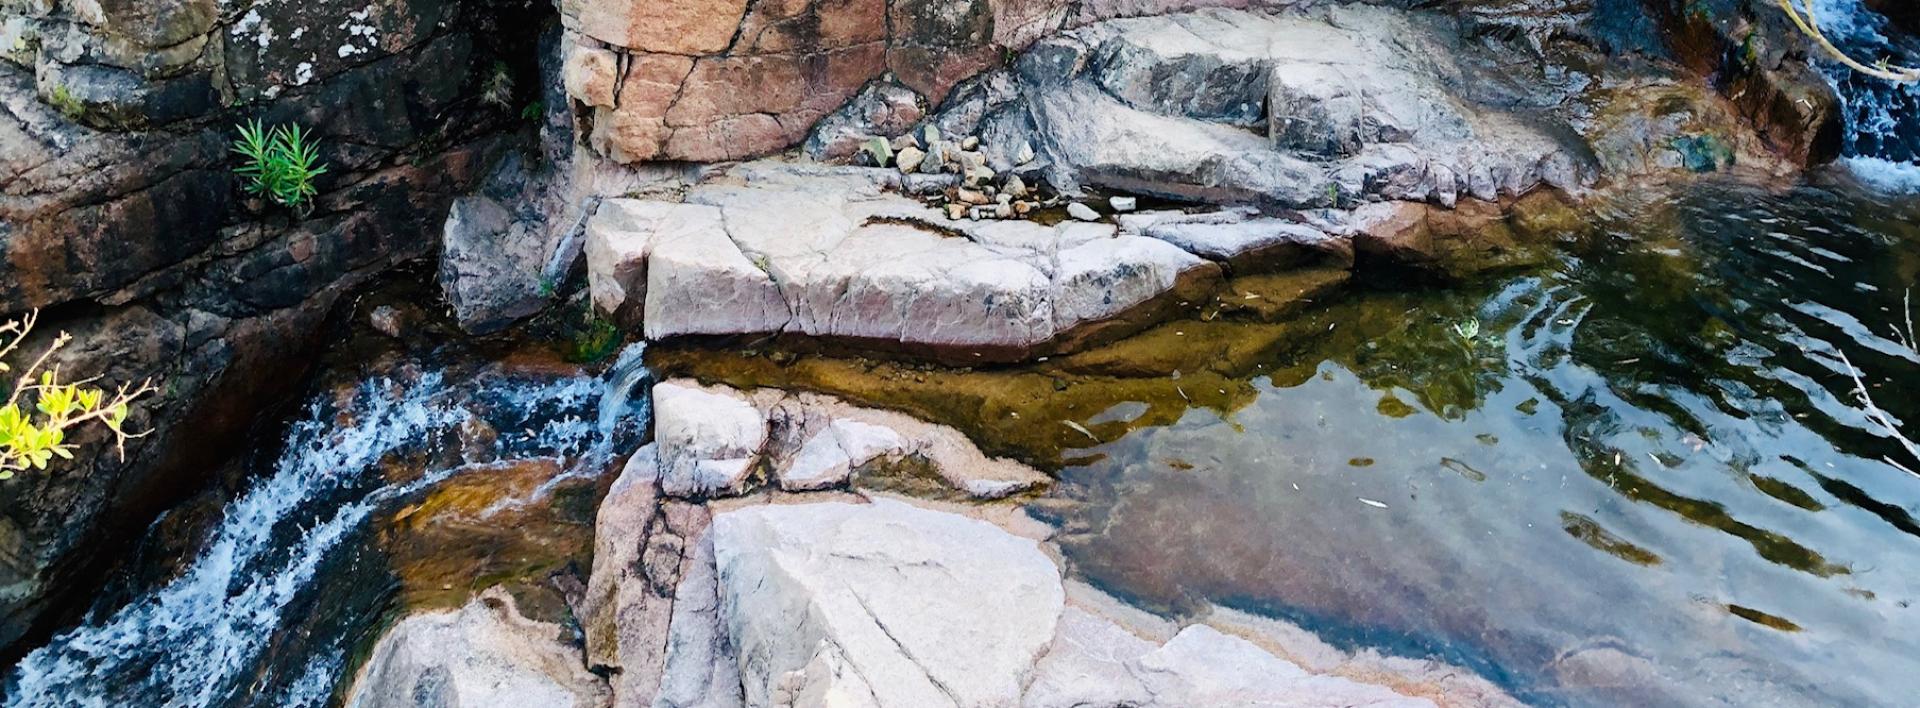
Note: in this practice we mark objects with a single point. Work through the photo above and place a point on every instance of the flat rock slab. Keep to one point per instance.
(835, 255)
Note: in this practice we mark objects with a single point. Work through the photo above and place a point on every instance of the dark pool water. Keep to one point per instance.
(1644, 479)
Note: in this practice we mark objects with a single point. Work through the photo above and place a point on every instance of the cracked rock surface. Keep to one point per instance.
(829, 252)
(831, 601)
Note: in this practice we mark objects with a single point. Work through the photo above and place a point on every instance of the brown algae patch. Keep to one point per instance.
(484, 527)
(1763, 619)
(1591, 533)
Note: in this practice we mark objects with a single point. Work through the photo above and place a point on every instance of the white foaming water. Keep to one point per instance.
(1876, 111)
(195, 640)
(1885, 175)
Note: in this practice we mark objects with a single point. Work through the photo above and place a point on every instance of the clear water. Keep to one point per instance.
(288, 580)
(1645, 481)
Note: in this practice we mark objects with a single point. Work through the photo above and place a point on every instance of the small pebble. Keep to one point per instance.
(972, 141)
(971, 196)
(1022, 208)
(1124, 204)
(1015, 186)
(955, 210)
(1082, 212)
(910, 158)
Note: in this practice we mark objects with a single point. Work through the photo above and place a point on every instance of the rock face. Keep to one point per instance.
(1357, 102)
(484, 655)
(1760, 61)
(122, 220)
(881, 604)
(1322, 80)
(728, 79)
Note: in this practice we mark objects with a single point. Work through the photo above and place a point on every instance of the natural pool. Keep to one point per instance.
(1645, 479)
(1642, 479)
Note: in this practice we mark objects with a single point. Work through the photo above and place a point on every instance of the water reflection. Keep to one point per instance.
(1643, 480)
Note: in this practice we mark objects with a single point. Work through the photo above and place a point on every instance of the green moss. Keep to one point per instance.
(66, 103)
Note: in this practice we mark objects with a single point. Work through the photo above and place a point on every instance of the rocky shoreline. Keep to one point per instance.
(982, 184)
(708, 592)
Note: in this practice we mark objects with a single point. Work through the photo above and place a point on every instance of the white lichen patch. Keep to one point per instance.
(358, 27)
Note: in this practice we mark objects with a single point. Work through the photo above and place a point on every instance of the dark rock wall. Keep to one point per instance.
(1751, 52)
(122, 222)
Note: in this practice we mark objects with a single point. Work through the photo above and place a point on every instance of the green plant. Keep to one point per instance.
(1468, 329)
(533, 111)
(65, 102)
(280, 164)
(596, 338)
(30, 438)
(498, 87)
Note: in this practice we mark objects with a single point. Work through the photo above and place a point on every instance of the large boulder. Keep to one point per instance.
(483, 655)
(882, 604)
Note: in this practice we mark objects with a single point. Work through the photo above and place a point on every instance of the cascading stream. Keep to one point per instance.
(1882, 142)
(204, 638)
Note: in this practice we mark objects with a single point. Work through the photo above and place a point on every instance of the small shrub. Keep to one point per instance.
(497, 90)
(280, 164)
(30, 438)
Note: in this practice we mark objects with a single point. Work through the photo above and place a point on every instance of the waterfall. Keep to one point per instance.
(1882, 143)
(199, 640)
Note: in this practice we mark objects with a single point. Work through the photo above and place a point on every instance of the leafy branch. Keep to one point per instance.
(279, 164)
(30, 438)
(1802, 13)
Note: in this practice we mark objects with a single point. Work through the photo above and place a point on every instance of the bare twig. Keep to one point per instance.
(1880, 418)
(1810, 26)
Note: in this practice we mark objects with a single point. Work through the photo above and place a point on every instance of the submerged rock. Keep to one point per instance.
(484, 655)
